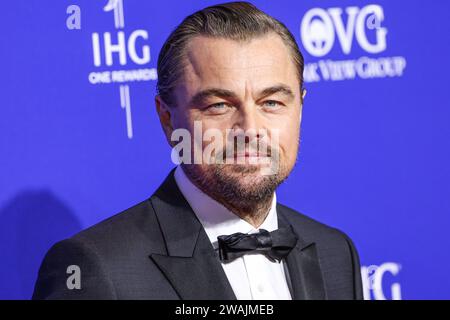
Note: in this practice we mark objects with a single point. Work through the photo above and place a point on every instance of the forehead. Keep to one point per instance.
(225, 63)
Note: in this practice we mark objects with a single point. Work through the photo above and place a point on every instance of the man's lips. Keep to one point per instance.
(250, 155)
(247, 154)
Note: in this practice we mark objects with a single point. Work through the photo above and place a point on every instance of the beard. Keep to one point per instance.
(239, 187)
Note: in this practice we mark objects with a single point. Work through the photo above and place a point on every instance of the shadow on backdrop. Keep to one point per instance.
(31, 222)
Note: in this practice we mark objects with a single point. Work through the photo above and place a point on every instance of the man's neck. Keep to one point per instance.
(253, 213)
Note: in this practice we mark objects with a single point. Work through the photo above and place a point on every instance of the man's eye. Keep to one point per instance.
(218, 108)
(220, 105)
(271, 104)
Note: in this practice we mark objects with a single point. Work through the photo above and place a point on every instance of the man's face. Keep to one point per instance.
(258, 88)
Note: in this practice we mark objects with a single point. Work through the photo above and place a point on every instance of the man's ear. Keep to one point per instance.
(303, 94)
(165, 117)
(302, 100)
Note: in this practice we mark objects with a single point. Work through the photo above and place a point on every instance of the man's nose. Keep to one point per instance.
(249, 120)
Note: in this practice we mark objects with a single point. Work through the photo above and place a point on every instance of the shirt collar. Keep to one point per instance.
(217, 219)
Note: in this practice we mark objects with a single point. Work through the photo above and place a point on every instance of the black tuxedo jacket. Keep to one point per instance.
(159, 250)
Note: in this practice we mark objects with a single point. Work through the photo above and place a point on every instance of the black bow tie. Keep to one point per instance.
(275, 245)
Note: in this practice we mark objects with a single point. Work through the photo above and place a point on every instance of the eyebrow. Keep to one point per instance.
(202, 95)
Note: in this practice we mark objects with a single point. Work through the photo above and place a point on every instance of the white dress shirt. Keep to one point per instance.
(252, 276)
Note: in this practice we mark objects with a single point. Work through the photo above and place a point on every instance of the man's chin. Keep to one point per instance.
(245, 175)
(246, 187)
(236, 183)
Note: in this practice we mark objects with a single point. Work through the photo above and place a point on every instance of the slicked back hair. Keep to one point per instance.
(240, 21)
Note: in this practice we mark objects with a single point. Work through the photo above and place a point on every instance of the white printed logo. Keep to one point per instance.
(320, 28)
(110, 49)
(372, 278)
(323, 30)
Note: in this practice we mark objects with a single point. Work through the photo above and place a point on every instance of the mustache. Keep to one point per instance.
(257, 148)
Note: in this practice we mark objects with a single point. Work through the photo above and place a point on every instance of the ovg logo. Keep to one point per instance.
(320, 28)
(112, 51)
(323, 30)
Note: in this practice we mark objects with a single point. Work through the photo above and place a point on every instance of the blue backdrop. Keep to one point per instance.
(80, 139)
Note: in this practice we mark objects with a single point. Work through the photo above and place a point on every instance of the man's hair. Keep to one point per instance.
(240, 21)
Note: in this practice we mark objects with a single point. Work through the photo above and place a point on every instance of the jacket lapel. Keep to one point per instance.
(191, 264)
(303, 265)
(192, 267)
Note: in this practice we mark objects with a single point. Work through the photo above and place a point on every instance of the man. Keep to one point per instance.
(214, 228)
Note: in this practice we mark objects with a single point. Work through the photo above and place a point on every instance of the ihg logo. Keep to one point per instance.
(374, 283)
(120, 47)
(320, 28)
